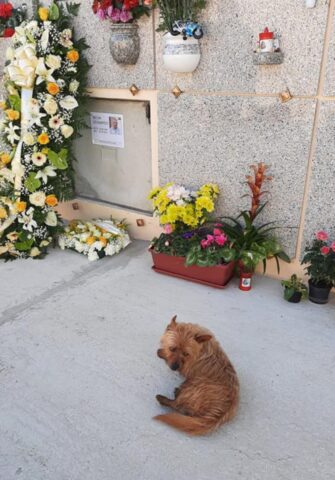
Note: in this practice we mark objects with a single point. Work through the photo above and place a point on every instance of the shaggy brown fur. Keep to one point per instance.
(209, 395)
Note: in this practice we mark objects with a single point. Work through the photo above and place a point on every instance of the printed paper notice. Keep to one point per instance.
(107, 129)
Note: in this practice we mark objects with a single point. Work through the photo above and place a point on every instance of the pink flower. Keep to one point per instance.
(110, 11)
(217, 231)
(168, 229)
(101, 14)
(322, 236)
(325, 250)
(204, 243)
(220, 240)
(333, 246)
(115, 15)
(125, 16)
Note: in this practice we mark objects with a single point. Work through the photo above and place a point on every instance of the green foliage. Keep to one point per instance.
(173, 10)
(32, 183)
(293, 285)
(320, 266)
(58, 160)
(15, 102)
(253, 243)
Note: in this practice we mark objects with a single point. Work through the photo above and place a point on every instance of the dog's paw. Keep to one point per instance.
(160, 399)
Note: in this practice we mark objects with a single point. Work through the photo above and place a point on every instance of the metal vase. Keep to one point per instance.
(124, 43)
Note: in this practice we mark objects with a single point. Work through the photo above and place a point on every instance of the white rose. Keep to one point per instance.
(38, 159)
(53, 61)
(37, 199)
(74, 85)
(29, 139)
(66, 130)
(34, 252)
(44, 243)
(69, 103)
(50, 106)
(51, 219)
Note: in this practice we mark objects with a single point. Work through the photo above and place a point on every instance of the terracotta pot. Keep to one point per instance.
(217, 276)
(124, 43)
(318, 292)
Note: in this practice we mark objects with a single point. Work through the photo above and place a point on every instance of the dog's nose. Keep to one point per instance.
(175, 366)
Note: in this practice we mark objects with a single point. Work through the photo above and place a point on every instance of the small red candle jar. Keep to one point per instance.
(245, 281)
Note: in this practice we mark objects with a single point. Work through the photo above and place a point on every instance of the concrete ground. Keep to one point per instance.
(79, 375)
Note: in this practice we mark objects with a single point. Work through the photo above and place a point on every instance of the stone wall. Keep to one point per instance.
(230, 114)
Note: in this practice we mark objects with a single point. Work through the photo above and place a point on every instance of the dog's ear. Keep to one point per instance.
(173, 323)
(203, 338)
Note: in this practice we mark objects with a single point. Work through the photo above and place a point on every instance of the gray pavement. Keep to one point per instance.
(79, 375)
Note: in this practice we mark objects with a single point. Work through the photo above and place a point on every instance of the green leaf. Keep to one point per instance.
(288, 293)
(15, 102)
(53, 12)
(32, 183)
(73, 8)
(24, 245)
(58, 160)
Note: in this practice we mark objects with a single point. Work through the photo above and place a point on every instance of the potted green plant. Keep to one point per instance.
(294, 289)
(320, 260)
(191, 247)
(253, 242)
(179, 21)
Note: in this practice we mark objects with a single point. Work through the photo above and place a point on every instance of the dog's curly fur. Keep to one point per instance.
(209, 395)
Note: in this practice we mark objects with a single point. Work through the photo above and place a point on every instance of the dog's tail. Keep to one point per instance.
(190, 425)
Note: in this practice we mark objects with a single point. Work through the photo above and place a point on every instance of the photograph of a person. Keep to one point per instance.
(115, 126)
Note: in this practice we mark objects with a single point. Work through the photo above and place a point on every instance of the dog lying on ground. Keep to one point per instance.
(209, 395)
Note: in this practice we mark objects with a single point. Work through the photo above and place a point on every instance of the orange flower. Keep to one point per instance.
(5, 158)
(103, 240)
(53, 88)
(43, 139)
(51, 200)
(12, 114)
(91, 240)
(21, 206)
(73, 56)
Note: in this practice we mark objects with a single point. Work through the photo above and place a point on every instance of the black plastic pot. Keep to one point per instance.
(318, 292)
(296, 297)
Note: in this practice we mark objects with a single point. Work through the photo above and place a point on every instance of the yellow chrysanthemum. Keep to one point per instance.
(205, 203)
(154, 192)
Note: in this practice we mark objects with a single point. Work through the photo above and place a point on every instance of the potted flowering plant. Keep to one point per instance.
(191, 247)
(294, 289)
(179, 21)
(124, 41)
(320, 260)
(253, 242)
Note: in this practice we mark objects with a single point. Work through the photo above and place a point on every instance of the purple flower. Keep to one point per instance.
(125, 16)
(115, 15)
(188, 235)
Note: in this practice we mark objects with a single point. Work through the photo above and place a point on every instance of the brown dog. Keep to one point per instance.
(210, 393)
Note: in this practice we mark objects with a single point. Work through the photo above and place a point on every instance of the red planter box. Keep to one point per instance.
(217, 276)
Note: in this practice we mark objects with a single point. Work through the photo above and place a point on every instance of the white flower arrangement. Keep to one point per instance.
(45, 79)
(95, 239)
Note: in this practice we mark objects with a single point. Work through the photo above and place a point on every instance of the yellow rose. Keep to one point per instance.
(43, 139)
(51, 200)
(43, 13)
(21, 206)
(12, 115)
(53, 88)
(5, 158)
(3, 213)
(73, 56)
(103, 240)
(91, 240)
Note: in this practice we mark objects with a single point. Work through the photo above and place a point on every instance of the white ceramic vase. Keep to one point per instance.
(181, 56)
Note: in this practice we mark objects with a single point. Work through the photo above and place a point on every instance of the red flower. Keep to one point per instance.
(6, 10)
(325, 250)
(322, 236)
(129, 4)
